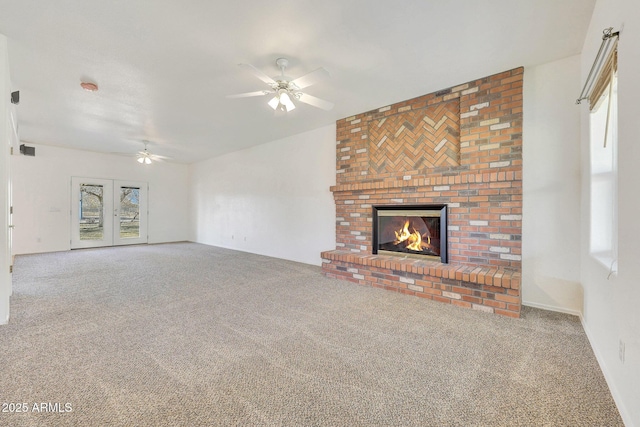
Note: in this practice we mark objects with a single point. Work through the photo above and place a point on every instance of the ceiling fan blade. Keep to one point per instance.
(248, 94)
(316, 102)
(259, 74)
(311, 78)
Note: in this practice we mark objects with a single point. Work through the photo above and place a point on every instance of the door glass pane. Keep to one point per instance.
(129, 212)
(91, 212)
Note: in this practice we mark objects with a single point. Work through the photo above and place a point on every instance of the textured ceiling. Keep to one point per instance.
(164, 67)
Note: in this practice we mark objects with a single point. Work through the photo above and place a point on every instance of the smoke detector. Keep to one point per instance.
(89, 87)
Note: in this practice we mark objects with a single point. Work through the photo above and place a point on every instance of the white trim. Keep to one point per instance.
(6, 138)
(626, 418)
(553, 308)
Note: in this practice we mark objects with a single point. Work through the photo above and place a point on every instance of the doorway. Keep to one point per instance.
(107, 212)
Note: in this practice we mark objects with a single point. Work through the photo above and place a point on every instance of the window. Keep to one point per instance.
(604, 175)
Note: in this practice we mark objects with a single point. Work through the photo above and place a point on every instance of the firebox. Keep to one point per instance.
(418, 231)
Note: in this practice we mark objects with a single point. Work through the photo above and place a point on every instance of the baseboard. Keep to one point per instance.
(553, 308)
(626, 418)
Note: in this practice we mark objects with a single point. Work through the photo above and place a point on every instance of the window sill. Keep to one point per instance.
(608, 261)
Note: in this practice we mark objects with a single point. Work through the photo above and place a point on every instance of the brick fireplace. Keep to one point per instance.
(461, 148)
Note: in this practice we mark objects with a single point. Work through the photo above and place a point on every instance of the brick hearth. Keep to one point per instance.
(461, 147)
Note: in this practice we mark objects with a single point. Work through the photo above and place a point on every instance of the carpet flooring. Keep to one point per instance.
(191, 335)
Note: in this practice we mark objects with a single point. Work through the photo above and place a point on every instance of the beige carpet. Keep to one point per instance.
(192, 335)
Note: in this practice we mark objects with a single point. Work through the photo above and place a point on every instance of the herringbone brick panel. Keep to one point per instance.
(416, 139)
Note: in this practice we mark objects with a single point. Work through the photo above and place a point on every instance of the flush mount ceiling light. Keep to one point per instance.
(89, 87)
(285, 90)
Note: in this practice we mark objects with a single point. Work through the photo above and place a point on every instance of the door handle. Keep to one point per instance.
(12, 226)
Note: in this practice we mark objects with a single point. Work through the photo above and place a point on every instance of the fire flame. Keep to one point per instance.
(413, 240)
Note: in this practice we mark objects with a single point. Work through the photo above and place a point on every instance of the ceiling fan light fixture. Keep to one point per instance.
(274, 102)
(286, 101)
(284, 90)
(144, 159)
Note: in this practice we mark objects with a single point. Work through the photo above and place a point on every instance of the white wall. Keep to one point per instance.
(612, 307)
(42, 191)
(272, 199)
(551, 187)
(5, 255)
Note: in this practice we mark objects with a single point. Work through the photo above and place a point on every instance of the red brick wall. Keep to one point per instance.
(461, 146)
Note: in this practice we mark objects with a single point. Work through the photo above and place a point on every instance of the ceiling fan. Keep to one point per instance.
(145, 157)
(285, 90)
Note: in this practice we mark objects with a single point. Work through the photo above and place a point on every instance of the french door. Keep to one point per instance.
(107, 212)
